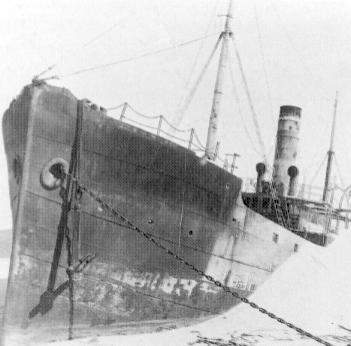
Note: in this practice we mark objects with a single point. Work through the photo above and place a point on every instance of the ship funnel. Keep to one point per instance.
(286, 147)
(261, 170)
(293, 173)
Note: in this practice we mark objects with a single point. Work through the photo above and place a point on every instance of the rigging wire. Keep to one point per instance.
(236, 97)
(191, 94)
(260, 41)
(318, 170)
(214, 10)
(194, 64)
(248, 95)
(75, 50)
(138, 57)
(299, 57)
(318, 146)
(342, 181)
(172, 42)
(198, 141)
(103, 33)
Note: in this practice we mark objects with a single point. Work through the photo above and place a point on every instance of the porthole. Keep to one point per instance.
(275, 237)
(54, 173)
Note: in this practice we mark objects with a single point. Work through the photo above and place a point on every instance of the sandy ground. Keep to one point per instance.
(312, 290)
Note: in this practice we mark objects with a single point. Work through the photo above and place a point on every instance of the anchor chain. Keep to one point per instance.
(70, 283)
(149, 236)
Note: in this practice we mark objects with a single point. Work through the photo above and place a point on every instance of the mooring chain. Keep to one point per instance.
(149, 236)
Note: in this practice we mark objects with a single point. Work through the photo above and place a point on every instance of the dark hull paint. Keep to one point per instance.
(193, 208)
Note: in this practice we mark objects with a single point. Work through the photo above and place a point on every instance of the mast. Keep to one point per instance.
(326, 191)
(211, 141)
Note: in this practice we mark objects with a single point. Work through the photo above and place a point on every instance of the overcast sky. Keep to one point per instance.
(304, 46)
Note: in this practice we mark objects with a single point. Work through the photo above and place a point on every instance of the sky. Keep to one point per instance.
(293, 52)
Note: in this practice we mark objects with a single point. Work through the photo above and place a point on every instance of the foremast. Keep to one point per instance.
(327, 188)
(212, 135)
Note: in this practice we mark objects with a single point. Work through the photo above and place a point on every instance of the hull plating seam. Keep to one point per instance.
(124, 226)
(100, 279)
(148, 168)
(159, 238)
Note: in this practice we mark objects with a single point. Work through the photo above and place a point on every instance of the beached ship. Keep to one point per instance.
(74, 264)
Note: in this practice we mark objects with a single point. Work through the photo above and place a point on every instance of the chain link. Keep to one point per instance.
(108, 208)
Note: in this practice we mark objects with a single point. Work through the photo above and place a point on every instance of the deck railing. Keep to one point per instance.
(162, 127)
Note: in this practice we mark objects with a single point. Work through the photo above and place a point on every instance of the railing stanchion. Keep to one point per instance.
(123, 111)
(216, 152)
(191, 138)
(159, 125)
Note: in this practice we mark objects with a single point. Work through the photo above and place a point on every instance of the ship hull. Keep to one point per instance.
(192, 207)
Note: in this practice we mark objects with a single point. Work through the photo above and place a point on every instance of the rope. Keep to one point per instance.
(141, 114)
(220, 159)
(306, 69)
(103, 33)
(240, 112)
(174, 137)
(192, 69)
(198, 141)
(197, 148)
(113, 212)
(116, 107)
(139, 123)
(122, 61)
(269, 94)
(171, 40)
(154, 117)
(318, 169)
(339, 172)
(151, 118)
(173, 127)
(36, 77)
(248, 95)
(188, 100)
